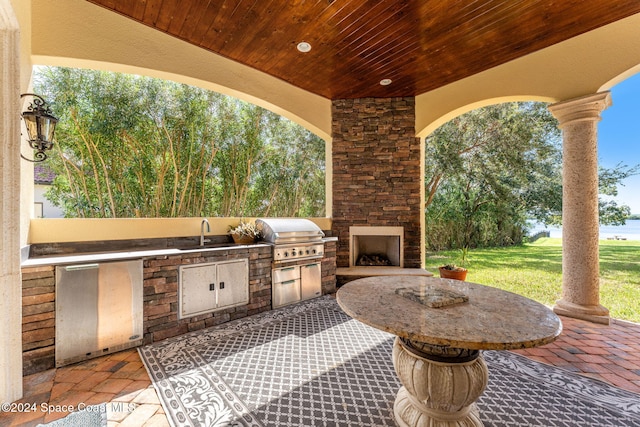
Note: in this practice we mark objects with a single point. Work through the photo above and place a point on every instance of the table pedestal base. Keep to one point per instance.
(440, 385)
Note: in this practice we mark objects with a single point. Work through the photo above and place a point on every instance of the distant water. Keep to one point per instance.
(629, 231)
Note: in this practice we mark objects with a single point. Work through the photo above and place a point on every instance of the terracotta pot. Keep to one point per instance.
(460, 274)
(242, 239)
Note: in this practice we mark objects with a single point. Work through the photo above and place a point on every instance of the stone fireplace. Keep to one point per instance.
(377, 176)
(376, 246)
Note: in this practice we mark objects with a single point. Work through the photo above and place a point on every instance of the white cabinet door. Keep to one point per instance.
(197, 289)
(233, 283)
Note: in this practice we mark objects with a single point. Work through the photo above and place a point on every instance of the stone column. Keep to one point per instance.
(10, 283)
(578, 120)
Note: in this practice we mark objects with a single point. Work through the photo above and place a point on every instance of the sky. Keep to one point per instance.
(619, 137)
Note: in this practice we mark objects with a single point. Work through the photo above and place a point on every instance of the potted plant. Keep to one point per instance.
(244, 232)
(452, 271)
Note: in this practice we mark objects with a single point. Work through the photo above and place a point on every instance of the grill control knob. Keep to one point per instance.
(286, 254)
(313, 251)
(293, 253)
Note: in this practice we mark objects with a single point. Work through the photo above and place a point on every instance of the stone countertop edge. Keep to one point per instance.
(491, 319)
(122, 255)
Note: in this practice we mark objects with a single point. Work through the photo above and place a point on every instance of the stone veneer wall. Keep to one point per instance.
(160, 303)
(161, 291)
(38, 319)
(376, 171)
(329, 268)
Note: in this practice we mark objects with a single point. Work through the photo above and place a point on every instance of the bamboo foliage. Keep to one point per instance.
(130, 146)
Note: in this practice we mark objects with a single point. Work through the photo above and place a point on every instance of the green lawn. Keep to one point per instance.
(535, 271)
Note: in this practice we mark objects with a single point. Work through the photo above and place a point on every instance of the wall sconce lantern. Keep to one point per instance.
(41, 125)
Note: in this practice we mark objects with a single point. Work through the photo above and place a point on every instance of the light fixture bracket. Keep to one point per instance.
(41, 125)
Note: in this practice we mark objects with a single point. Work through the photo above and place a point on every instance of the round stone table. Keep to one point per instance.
(441, 325)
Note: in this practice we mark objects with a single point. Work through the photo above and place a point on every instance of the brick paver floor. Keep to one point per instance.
(610, 353)
(607, 352)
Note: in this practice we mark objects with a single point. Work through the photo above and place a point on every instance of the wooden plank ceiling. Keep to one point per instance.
(420, 45)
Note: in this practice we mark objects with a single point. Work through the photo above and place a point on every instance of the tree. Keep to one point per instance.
(608, 181)
(483, 171)
(490, 170)
(262, 172)
(293, 179)
(131, 146)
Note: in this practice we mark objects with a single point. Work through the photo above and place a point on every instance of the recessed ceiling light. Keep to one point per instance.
(304, 47)
(385, 82)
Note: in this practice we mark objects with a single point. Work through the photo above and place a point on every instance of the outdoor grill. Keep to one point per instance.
(292, 238)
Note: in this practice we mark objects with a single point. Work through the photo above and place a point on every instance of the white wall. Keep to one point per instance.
(48, 209)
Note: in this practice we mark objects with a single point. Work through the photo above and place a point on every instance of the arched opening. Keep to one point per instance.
(487, 171)
(136, 147)
(544, 264)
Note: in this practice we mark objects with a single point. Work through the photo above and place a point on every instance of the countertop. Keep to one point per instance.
(80, 258)
(124, 255)
(491, 319)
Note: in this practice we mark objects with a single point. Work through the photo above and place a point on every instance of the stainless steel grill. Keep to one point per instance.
(292, 238)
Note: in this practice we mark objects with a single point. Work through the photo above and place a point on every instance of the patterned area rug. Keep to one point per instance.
(312, 365)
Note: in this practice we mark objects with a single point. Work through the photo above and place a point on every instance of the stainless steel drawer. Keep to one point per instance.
(284, 274)
(286, 292)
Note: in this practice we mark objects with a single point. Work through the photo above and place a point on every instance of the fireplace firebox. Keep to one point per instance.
(376, 246)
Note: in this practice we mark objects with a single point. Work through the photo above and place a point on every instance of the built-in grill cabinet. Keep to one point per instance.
(296, 283)
(294, 241)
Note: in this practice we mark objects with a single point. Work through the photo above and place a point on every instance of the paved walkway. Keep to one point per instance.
(610, 353)
(607, 352)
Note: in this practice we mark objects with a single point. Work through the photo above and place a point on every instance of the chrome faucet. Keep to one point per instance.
(202, 239)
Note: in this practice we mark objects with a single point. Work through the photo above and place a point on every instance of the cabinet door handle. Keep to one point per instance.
(212, 286)
(288, 282)
(81, 267)
(221, 285)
